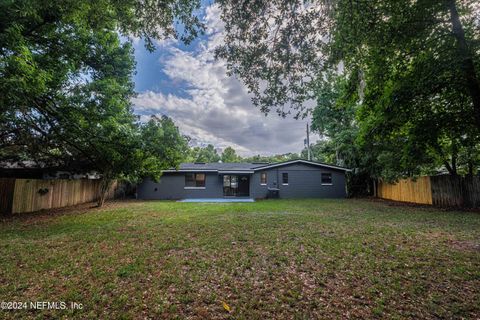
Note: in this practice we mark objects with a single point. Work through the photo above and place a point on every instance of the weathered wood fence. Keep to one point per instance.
(28, 195)
(444, 191)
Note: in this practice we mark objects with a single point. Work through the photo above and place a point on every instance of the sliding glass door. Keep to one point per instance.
(230, 185)
(236, 186)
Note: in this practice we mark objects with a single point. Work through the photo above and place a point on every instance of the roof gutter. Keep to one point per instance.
(235, 171)
(189, 170)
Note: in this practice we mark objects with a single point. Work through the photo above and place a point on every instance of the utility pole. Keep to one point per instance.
(309, 156)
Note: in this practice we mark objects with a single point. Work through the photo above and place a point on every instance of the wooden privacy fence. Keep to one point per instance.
(444, 191)
(28, 195)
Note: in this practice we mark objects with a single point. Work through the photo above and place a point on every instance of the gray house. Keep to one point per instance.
(290, 179)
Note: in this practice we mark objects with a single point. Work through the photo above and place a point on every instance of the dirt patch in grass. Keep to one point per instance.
(393, 203)
(451, 241)
(466, 245)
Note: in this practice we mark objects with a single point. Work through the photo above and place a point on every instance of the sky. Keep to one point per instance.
(189, 85)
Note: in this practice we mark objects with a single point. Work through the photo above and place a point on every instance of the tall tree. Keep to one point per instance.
(278, 48)
(49, 49)
(273, 158)
(334, 119)
(230, 155)
(466, 50)
(414, 64)
(162, 145)
(417, 101)
(65, 79)
(206, 154)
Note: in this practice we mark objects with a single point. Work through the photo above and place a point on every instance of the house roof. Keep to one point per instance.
(216, 166)
(314, 163)
(244, 167)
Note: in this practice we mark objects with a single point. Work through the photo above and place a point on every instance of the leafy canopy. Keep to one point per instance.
(411, 70)
(230, 155)
(65, 83)
(205, 154)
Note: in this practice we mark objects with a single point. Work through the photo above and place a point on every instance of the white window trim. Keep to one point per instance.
(285, 184)
(331, 178)
(195, 187)
(266, 177)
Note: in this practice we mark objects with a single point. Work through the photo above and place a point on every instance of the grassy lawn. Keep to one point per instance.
(270, 259)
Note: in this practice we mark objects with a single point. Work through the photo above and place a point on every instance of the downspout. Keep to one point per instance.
(277, 184)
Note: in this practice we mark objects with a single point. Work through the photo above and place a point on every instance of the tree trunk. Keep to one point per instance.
(105, 185)
(467, 64)
(454, 157)
(444, 158)
(449, 168)
(470, 168)
(454, 165)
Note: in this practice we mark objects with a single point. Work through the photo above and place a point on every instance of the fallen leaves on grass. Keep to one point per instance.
(226, 307)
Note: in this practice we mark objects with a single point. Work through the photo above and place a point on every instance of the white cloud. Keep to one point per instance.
(217, 109)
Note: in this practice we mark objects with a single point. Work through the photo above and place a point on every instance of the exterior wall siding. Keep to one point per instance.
(304, 181)
(172, 187)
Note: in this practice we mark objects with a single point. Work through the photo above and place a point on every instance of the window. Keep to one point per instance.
(284, 178)
(190, 180)
(326, 178)
(226, 181)
(195, 180)
(263, 178)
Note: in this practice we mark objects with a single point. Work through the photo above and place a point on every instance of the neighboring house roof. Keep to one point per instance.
(29, 169)
(26, 164)
(242, 167)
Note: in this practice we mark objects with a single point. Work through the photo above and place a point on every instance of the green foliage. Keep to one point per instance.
(230, 155)
(274, 46)
(334, 120)
(162, 146)
(206, 154)
(65, 83)
(273, 158)
(411, 83)
(322, 151)
(417, 112)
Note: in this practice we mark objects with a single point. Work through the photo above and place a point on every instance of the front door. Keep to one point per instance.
(236, 186)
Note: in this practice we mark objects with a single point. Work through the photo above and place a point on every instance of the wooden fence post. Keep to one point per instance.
(28, 195)
(442, 190)
(7, 187)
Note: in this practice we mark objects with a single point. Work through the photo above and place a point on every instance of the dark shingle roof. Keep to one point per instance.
(244, 166)
(220, 166)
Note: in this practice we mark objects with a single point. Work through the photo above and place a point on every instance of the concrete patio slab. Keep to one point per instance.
(219, 200)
